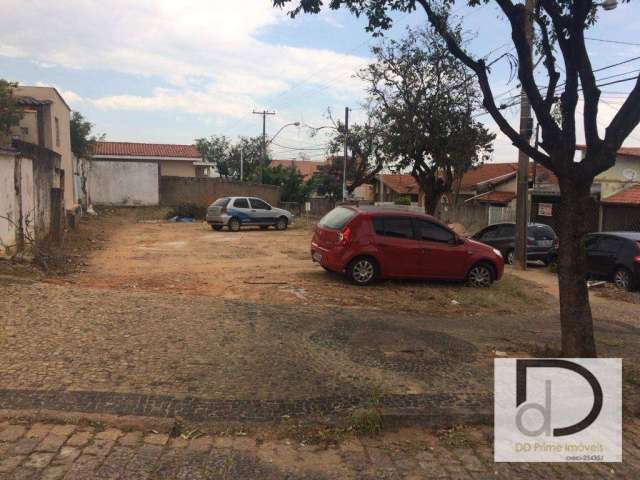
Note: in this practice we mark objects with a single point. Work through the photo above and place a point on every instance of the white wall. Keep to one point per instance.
(7, 201)
(28, 197)
(124, 183)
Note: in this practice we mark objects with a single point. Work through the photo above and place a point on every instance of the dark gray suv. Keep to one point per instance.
(542, 241)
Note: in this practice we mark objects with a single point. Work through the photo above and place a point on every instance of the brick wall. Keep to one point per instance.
(203, 191)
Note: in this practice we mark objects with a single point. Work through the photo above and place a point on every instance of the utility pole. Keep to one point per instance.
(344, 162)
(264, 114)
(526, 130)
(241, 163)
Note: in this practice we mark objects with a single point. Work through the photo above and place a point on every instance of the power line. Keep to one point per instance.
(618, 42)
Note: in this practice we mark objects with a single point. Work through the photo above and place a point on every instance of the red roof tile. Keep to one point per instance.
(627, 151)
(496, 197)
(404, 184)
(485, 172)
(128, 149)
(306, 167)
(628, 196)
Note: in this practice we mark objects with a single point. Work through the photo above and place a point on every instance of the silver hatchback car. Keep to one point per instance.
(236, 212)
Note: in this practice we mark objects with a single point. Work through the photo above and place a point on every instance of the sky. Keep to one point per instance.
(170, 71)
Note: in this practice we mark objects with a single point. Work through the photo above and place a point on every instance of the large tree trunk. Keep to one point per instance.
(575, 312)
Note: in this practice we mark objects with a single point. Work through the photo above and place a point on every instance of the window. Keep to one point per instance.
(540, 232)
(431, 232)
(221, 202)
(591, 242)
(397, 227)
(57, 122)
(507, 230)
(610, 244)
(489, 233)
(241, 203)
(259, 204)
(337, 218)
(25, 131)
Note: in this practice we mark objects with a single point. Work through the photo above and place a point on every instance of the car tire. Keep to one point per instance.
(234, 225)
(510, 257)
(623, 278)
(481, 275)
(363, 271)
(264, 227)
(282, 223)
(217, 228)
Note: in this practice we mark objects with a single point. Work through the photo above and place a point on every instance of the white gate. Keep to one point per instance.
(501, 214)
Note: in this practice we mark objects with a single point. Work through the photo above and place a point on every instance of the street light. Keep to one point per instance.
(293, 124)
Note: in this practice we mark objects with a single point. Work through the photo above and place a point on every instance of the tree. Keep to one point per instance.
(327, 179)
(216, 149)
(290, 181)
(251, 148)
(10, 111)
(559, 25)
(365, 146)
(423, 100)
(83, 145)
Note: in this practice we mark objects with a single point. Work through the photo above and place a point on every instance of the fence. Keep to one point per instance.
(501, 214)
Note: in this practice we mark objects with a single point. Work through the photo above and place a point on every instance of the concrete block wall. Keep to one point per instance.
(203, 191)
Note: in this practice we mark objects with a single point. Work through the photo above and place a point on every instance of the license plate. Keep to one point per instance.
(317, 257)
(545, 243)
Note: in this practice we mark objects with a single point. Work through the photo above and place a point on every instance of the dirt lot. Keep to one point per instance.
(133, 251)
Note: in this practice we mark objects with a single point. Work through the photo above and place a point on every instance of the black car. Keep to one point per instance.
(541, 240)
(614, 256)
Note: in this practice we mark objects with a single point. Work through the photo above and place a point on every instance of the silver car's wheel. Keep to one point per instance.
(282, 223)
(622, 278)
(234, 225)
(362, 271)
(480, 276)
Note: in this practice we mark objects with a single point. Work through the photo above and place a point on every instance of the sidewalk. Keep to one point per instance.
(41, 451)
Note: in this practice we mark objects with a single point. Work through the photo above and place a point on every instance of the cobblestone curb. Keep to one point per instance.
(419, 408)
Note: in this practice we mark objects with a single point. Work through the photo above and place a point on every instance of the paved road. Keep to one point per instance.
(43, 451)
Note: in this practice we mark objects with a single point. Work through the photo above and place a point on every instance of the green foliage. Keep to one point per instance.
(424, 100)
(253, 160)
(290, 181)
(365, 146)
(216, 149)
(327, 179)
(10, 111)
(402, 201)
(83, 143)
(226, 155)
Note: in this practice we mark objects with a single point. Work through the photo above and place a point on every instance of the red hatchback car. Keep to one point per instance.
(370, 243)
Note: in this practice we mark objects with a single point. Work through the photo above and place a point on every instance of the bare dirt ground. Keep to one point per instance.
(131, 251)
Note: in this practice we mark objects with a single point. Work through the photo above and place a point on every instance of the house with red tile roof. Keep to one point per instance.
(172, 160)
(391, 186)
(616, 202)
(306, 167)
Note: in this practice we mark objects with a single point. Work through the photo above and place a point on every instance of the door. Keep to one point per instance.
(441, 256)
(261, 211)
(505, 237)
(242, 210)
(400, 252)
(604, 257)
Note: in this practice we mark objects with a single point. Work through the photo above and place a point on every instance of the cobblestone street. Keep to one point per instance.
(41, 451)
(211, 362)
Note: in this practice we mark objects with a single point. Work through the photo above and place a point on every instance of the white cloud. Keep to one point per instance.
(200, 47)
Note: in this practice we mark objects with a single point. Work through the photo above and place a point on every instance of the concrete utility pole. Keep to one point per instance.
(344, 163)
(241, 164)
(264, 114)
(526, 130)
